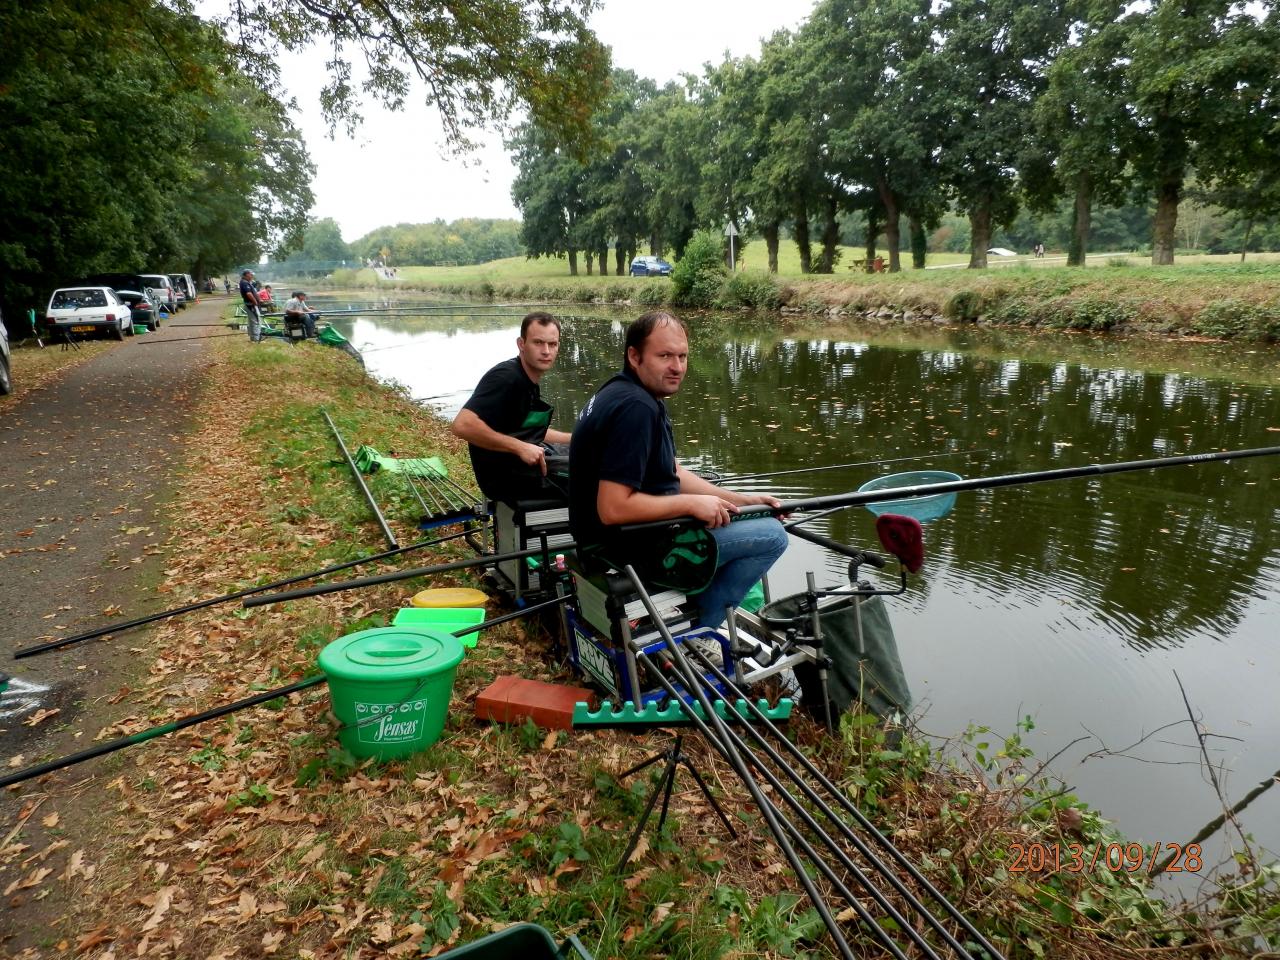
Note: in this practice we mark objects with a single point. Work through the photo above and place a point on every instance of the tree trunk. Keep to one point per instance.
(602, 257)
(590, 257)
(1081, 219)
(802, 240)
(979, 234)
(1244, 247)
(830, 238)
(919, 242)
(1165, 230)
(619, 255)
(771, 244)
(873, 234)
(573, 263)
(892, 233)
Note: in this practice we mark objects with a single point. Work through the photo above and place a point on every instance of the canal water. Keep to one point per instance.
(1079, 603)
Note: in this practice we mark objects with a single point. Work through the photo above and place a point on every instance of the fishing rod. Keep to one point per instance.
(142, 736)
(225, 598)
(212, 336)
(324, 588)
(364, 488)
(855, 498)
(849, 466)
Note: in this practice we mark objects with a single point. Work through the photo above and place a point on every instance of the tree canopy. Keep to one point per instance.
(876, 111)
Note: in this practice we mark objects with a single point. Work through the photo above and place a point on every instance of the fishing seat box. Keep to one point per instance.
(609, 623)
(522, 525)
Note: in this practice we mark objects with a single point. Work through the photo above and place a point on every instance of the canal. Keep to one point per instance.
(1078, 604)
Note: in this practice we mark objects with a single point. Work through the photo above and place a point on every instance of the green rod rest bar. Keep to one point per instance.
(670, 714)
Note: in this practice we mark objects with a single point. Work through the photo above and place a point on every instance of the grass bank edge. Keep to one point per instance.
(1220, 301)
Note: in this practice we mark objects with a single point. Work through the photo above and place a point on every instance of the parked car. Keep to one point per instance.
(163, 289)
(650, 267)
(88, 310)
(185, 286)
(6, 365)
(143, 306)
(127, 281)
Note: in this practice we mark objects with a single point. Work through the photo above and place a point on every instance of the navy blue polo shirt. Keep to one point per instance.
(623, 435)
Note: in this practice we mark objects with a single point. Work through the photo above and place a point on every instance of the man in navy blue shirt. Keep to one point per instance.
(507, 424)
(623, 470)
(252, 309)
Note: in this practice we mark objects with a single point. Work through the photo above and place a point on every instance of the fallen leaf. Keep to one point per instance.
(662, 911)
(164, 900)
(271, 941)
(51, 820)
(40, 716)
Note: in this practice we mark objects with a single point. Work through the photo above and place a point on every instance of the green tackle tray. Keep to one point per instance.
(523, 941)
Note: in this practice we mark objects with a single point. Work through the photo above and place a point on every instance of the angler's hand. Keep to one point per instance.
(712, 510)
(762, 499)
(532, 455)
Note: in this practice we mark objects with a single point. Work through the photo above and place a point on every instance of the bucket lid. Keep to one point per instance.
(450, 597)
(391, 653)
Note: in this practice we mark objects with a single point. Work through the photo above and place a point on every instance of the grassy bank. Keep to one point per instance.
(255, 835)
(1214, 297)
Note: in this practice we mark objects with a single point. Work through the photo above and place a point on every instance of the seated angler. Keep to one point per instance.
(623, 470)
(506, 422)
(297, 310)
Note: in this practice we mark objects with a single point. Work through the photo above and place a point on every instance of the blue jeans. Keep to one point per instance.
(746, 549)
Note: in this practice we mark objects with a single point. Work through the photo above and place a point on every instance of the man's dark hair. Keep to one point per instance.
(246, 273)
(640, 329)
(538, 316)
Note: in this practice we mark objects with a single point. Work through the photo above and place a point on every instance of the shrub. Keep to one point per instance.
(652, 294)
(700, 273)
(963, 305)
(750, 288)
(1232, 317)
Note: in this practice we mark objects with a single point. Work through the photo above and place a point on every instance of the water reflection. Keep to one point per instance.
(1073, 601)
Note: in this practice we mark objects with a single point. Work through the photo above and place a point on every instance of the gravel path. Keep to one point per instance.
(86, 463)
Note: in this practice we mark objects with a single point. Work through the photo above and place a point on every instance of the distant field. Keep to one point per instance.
(755, 257)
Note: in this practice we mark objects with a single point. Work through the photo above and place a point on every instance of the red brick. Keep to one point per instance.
(515, 699)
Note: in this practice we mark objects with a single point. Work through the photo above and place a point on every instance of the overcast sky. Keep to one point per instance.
(393, 170)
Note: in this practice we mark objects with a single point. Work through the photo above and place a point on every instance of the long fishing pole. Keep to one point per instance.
(849, 466)
(225, 598)
(854, 499)
(142, 736)
(211, 336)
(364, 488)
(399, 575)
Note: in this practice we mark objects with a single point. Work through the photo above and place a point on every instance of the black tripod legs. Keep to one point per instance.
(674, 757)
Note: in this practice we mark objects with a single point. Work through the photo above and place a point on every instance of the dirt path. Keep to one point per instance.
(86, 464)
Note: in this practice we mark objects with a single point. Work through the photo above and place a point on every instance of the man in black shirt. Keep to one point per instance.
(252, 309)
(507, 423)
(623, 470)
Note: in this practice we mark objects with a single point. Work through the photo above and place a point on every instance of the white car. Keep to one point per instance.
(163, 289)
(78, 310)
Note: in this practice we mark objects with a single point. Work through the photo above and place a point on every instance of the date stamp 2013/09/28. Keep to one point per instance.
(1039, 857)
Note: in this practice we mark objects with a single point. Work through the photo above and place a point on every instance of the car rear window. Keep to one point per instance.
(155, 280)
(71, 299)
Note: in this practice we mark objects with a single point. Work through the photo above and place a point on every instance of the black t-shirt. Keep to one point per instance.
(509, 403)
(247, 293)
(624, 435)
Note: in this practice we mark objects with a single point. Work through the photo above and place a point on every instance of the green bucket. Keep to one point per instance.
(390, 688)
(448, 619)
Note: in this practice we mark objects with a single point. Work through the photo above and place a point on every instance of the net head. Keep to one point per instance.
(904, 538)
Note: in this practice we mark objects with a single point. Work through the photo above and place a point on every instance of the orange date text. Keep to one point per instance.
(1039, 857)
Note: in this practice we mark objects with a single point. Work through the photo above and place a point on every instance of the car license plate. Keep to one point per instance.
(82, 329)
